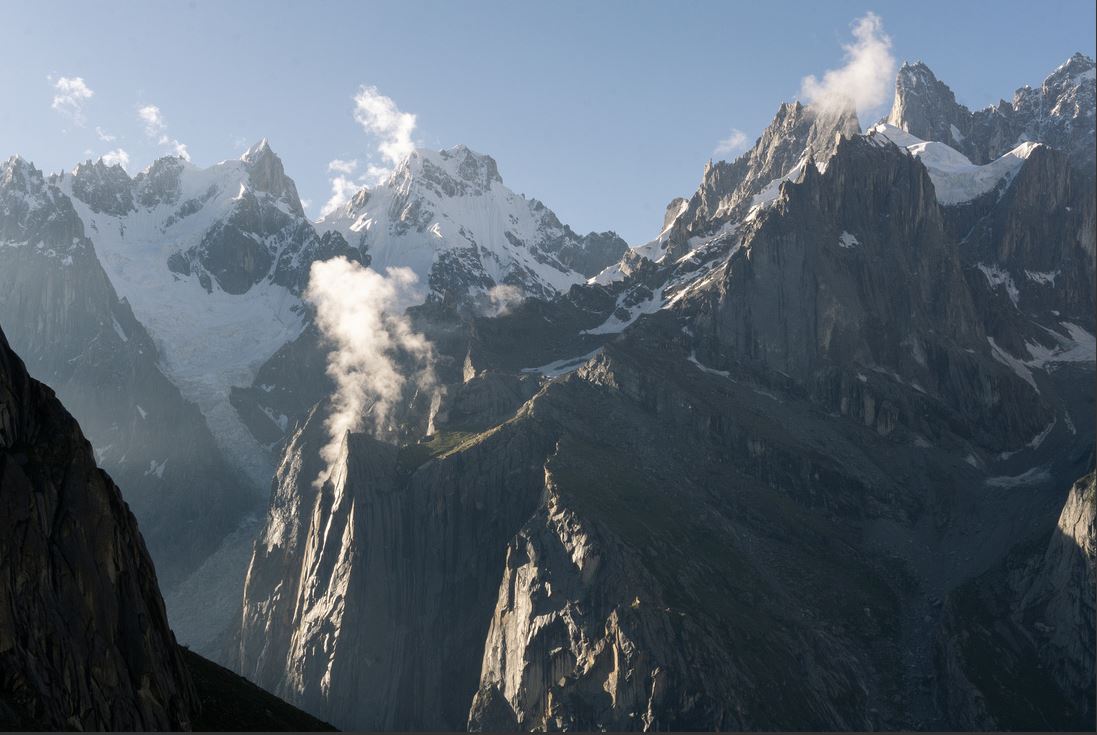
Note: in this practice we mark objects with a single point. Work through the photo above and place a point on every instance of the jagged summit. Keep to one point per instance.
(260, 149)
(447, 215)
(456, 171)
(18, 171)
(1078, 65)
(266, 174)
(1060, 113)
(797, 134)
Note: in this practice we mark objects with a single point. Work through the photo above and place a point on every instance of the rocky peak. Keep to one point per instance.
(1074, 71)
(926, 107)
(103, 188)
(1059, 113)
(797, 133)
(266, 174)
(34, 211)
(19, 174)
(160, 183)
(457, 171)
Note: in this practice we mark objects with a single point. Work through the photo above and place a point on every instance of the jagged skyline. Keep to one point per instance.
(605, 112)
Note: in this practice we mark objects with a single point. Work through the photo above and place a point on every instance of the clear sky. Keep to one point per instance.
(603, 110)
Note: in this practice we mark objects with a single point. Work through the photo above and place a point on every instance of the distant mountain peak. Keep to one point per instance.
(266, 174)
(456, 171)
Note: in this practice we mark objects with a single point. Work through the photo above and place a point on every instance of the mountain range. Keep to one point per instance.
(819, 455)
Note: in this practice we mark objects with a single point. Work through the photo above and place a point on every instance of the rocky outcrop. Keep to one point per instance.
(84, 639)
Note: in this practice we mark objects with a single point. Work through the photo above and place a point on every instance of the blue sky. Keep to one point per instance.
(603, 110)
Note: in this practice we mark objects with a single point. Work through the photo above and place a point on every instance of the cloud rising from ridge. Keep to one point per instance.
(867, 77)
(379, 116)
(392, 130)
(361, 314)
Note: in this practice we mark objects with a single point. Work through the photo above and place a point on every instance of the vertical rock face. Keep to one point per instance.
(368, 597)
(84, 639)
(1063, 586)
(63, 315)
(793, 464)
(1028, 620)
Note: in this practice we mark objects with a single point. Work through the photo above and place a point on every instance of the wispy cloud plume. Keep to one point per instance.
(361, 313)
(342, 189)
(501, 299)
(379, 116)
(735, 142)
(103, 135)
(342, 167)
(866, 78)
(70, 94)
(390, 128)
(157, 129)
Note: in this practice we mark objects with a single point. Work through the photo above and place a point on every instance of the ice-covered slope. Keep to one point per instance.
(955, 178)
(208, 260)
(448, 216)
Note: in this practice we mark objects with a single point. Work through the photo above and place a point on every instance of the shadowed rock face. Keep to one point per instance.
(84, 639)
(1017, 645)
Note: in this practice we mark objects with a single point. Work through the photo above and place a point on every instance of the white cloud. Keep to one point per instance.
(153, 119)
(103, 135)
(361, 314)
(70, 94)
(157, 128)
(736, 141)
(343, 167)
(866, 79)
(502, 298)
(117, 156)
(342, 189)
(392, 130)
(379, 116)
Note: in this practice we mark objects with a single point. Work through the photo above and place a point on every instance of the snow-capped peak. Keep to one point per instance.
(456, 171)
(260, 149)
(448, 216)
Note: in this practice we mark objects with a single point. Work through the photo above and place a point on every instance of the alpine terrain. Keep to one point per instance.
(818, 455)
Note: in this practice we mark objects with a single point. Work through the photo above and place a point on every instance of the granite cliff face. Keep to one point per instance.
(746, 477)
(84, 639)
(1028, 620)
